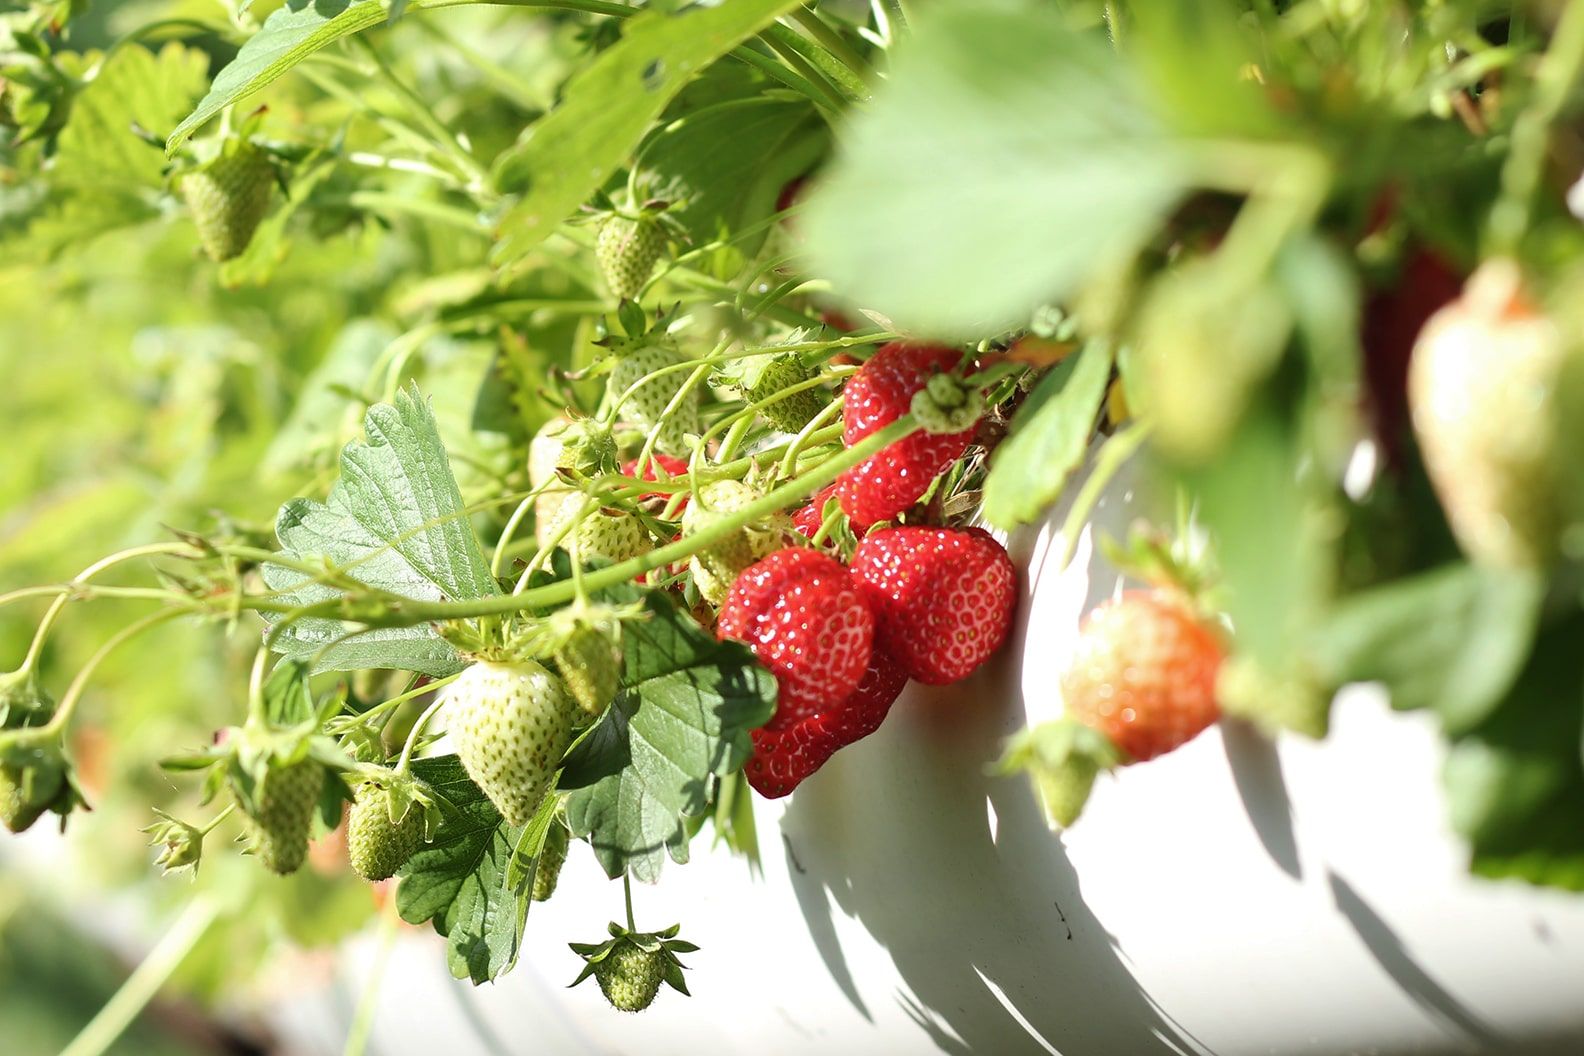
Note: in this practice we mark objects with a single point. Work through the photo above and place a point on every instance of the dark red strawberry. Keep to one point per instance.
(807, 519)
(782, 759)
(942, 598)
(887, 483)
(866, 708)
(1392, 320)
(802, 615)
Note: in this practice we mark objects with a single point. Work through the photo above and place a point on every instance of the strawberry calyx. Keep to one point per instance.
(947, 405)
(1062, 757)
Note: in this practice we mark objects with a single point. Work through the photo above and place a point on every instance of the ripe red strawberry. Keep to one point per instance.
(1144, 673)
(887, 483)
(942, 597)
(807, 519)
(802, 616)
(782, 759)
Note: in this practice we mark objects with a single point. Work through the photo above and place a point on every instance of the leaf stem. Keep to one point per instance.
(215, 821)
(443, 136)
(627, 898)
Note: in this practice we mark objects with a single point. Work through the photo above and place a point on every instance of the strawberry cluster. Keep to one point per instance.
(916, 602)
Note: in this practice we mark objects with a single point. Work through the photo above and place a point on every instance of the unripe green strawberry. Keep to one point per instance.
(611, 535)
(551, 858)
(590, 665)
(284, 802)
(229, 196)
(585, 446)
(1483, 389)
(777, 374)
(649, 401)
(626, 249)
(630, 977)
(511, 724)
(722, 560)
(24, 801)
(631, 965)
(376, 844)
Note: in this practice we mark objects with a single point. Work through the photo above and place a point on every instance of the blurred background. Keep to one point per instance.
(147, 390)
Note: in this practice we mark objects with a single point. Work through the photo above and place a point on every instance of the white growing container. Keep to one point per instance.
(1236, 897)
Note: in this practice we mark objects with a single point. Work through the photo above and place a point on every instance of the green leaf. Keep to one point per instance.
(288, 700)
(289, 35)
(687, 704)
(468, 881)
(1005, 158)
(1032, 466)
(393, 521)
(97, 149)
(719, 193)
(1451, 640)
(608, 106)
(1515, 784)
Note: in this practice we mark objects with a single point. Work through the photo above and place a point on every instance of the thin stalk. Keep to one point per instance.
(50, 616)
(1113, 454)
(404, 763)
(74, 692)
(111, 1021)
(627, 898)
(368, 1001)
(815, 427)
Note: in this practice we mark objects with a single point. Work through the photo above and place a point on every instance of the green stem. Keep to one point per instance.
(401, 698)
(827, 526)
(627, 898)
(439, 212)
(255, 716)
(815, 427)
(111, 1021)
(551, 594)
(63, 714)
(217, 819)
(404, 764)
(59, 605)
(506, 82)
(1520, 176)
(832, 42)
(428, 119)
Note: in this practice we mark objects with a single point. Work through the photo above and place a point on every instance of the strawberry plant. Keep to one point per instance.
(521, 429)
